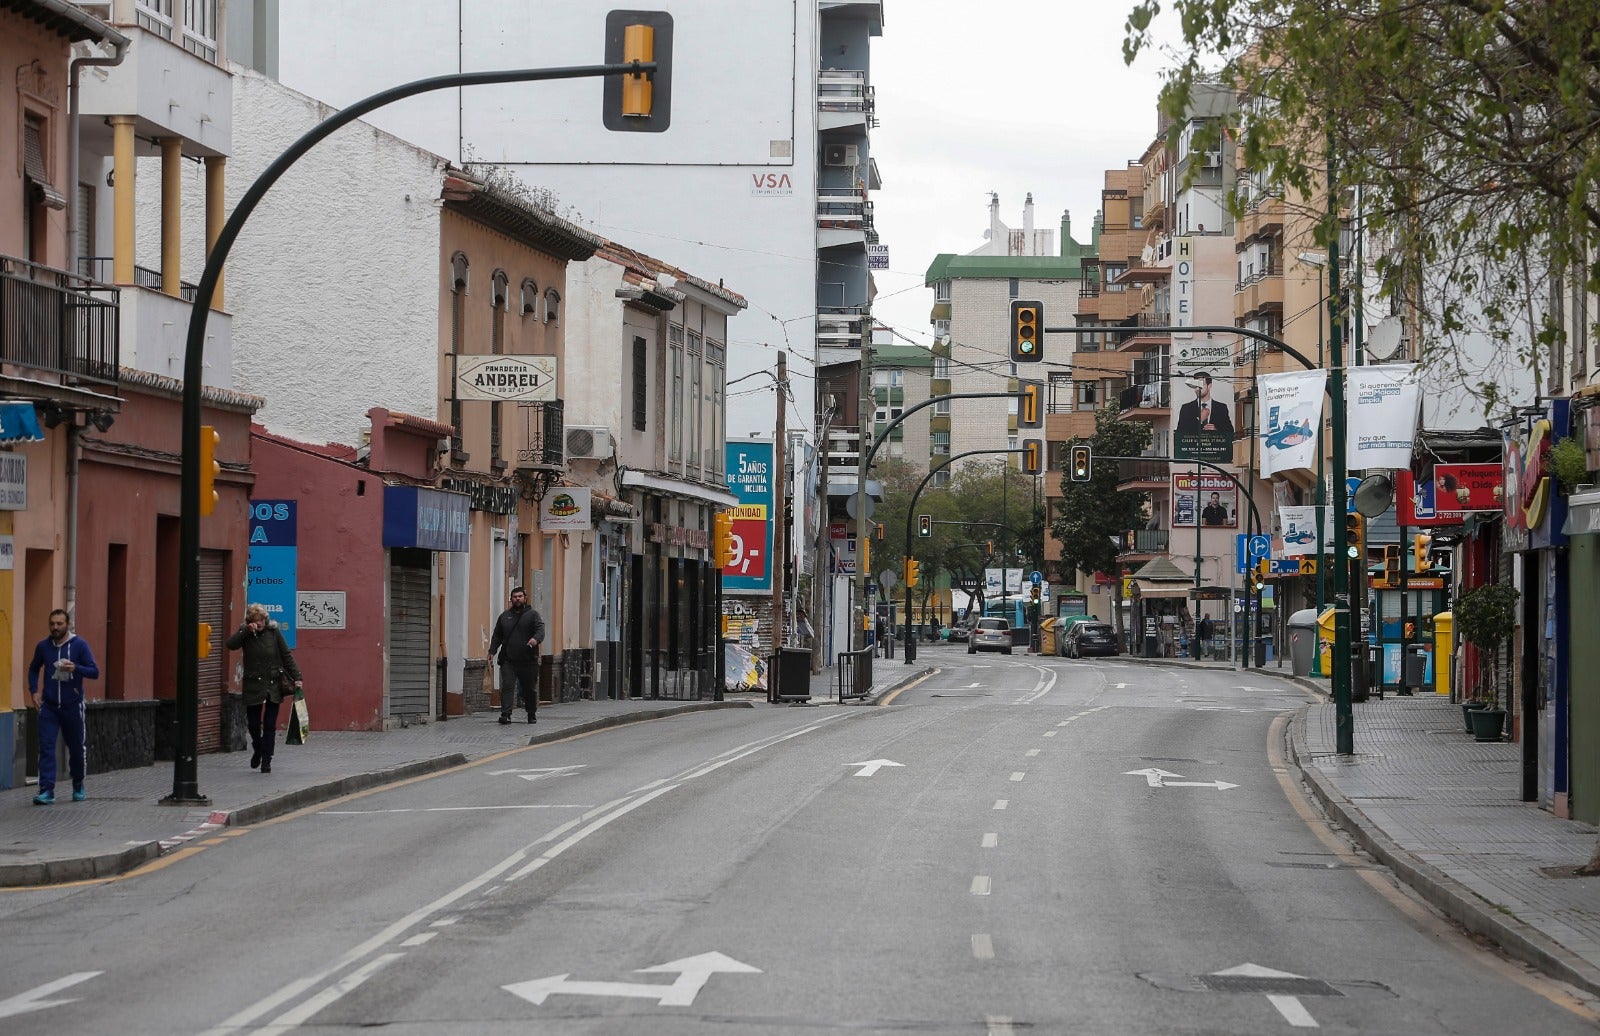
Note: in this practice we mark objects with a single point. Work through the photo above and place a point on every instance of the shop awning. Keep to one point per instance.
(664, 485)
(1583, 514)
(1147, 588)
(19, 423)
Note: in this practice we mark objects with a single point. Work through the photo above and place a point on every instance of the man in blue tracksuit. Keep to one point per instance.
(66, 662)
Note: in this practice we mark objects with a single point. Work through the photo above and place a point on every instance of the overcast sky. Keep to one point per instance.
(1010, 96)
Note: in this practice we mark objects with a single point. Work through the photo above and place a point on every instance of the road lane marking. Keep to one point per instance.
(991, 840)
(1017, 775)
(306, 1010)
(1031, 752)
(444, 922)
(419, 938)
(999, 1025)
(1293, 1011)
(33, 999)
(982, 947)
(980, 885)
(454, 809)
(1001, 803)
(1049, 733)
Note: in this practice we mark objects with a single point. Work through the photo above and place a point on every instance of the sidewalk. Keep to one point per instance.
(123, 824)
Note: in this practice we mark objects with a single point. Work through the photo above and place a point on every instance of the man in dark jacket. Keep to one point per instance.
(518, 633)
(60, 703)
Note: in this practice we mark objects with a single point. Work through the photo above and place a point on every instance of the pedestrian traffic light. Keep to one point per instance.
(913, 572)
(1082, 463)
(1032, 455)
(722, 539)
(209, 468)
(1030, 405)
(638, 102)
(924, 525)
(1355, 535)
(1421, 543)
(1027, 332)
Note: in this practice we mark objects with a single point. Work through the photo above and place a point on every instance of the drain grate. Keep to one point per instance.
(1268, 984)
(1306, 866)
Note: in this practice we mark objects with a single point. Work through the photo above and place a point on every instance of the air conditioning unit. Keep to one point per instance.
(589, 443)
(1212, 159)
(840, 154)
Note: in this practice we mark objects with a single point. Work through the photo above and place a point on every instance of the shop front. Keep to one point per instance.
(1583, 661)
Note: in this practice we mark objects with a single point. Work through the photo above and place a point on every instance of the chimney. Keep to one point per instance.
(1027, 222)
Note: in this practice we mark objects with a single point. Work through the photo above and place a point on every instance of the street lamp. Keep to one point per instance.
(1320, 261)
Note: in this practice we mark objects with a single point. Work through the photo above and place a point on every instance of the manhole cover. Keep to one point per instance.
(1269, 984)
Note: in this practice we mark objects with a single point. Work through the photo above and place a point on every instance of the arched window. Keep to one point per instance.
(552, 306)
(530, 297)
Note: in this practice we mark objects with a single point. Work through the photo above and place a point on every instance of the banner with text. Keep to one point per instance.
(1384, 402)
(751, 479)
(1291, 410)
(1215, 499)
(1299, 524)
(1202, 389)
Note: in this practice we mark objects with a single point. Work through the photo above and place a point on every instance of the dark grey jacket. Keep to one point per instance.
(511, 634)
(265, 653)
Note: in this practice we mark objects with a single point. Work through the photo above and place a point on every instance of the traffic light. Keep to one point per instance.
(877, 531)
(722, 539)
(988, 548)
(1420, 545)
(209, 468)
(1082, 464)
(1032, 455)
(1355, 535)
(203, 649)
(924, 525)
(1391, 564)
(1030, 405)
(639, 102)
(1027, 332)
(913, 572)
(1259, 573)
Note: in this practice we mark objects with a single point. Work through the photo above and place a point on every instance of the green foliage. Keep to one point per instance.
(1486, 617)
(1570, 464)
(1094, 514)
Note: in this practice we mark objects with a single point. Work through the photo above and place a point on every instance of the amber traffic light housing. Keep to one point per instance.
(1027, 332)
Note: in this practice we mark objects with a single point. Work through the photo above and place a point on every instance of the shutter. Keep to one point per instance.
(410, 631)
(213, 682)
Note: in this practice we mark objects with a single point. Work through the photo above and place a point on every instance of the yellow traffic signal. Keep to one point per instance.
(209, 468)
(203, 650)
(638, 92)
(1082, 464)
(1263, 567)
(1420, 545)
(722, 539)
(1391, 564)
(1030, 405)
(877, 531)
(1355, 535)
(1032, 456)
(913, 572)
(1027, 332)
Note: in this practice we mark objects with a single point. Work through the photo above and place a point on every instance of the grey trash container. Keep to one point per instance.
(794, 674)
(1303, 640)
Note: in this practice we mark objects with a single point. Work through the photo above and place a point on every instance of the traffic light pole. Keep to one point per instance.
(911, 642)
(185, 763)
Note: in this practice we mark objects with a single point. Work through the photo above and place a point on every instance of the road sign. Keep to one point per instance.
(888, 577)
(1035, 577)
(1287, 567)
(1250, 549)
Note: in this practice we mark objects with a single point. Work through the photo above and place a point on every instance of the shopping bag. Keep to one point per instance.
(299, 721)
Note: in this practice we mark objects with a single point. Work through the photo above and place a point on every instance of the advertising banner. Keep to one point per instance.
(1213, 498)
(752, 480)
(274, 553)
(1202, 389)
(1469, 487)
(1383, 402)
(1299, 524)
(992, 588)
(1291, 410)
(566, 509)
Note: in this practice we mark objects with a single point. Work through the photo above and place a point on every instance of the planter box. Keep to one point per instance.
(1487, 724)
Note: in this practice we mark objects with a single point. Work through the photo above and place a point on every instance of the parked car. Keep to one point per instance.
(959, 633)
(1090, 638)
(990, 634)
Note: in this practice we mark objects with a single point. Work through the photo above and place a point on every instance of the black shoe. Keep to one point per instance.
(255, 759)
(505, 719)
(532, 718)
(266, 765)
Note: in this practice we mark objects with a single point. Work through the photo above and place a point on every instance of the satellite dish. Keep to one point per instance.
(1374, 495)
(1383, 340)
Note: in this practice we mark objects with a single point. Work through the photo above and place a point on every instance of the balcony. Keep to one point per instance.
(1150, 401)
(1144, 542)
(1262, 292)
(845, 99)
(544, 433)
(840, 327)
(52, 320)
(844, 217)
(843, 451)
(1265, 219)
(1142, 475)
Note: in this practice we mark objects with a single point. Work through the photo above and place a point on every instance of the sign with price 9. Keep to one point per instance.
(751, 478)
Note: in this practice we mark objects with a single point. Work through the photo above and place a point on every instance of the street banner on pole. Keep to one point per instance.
(750, 478)
(1384, 402)
(1291, 408)
(1299, 524)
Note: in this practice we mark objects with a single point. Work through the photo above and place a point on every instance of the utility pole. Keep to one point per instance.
(1344, 604)
(868, 411)
(779, 559)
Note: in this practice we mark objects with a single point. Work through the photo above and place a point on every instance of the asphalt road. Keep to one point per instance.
(1014, 844)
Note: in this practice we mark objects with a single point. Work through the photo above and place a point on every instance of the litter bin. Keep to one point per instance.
(1444, 646)
(1303, 640)
(1047, 636)
(794, 674)
(1416, 666)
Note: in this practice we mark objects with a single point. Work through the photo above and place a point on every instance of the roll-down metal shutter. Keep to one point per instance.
(213, 678)
(410, 632)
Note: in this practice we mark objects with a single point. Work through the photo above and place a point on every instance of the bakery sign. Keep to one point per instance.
(505, 379)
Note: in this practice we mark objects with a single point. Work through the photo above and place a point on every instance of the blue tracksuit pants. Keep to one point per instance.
(64, 720)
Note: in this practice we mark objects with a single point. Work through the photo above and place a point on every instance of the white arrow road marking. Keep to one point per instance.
(539, 774)
(1120, 686)
(872, 766)
(33, 1000)
(1290, 1007)
(1159, 779)
(692, 972)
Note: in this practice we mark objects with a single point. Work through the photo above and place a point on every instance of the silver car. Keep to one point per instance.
(990, 635)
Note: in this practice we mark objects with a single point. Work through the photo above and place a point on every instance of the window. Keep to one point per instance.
(675, 399)
(941, 406)
(530, 297)
(880, 379)
(1013, 288)
(458, 294)
(941, 291)
(1086, 395)
(941, 367)
(941, 444)
(200, 28)
(641, 384)
(552, 306)
(897, 377)
(499, 298)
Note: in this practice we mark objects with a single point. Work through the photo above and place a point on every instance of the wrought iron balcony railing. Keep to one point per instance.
(544, 429)
(58, 321)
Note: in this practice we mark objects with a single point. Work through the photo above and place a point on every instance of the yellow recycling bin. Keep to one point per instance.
(1324, 665)
(1047, 636)
(1444, 645)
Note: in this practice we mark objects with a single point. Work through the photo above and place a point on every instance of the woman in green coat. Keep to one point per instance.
(266, 657)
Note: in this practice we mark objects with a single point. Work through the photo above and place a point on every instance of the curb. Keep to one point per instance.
(919, 673)
(288, 802)
(84, 868)
(634, 717)
(1477, 915)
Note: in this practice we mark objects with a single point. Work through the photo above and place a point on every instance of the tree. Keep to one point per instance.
(1468, 126)
(1094, 514)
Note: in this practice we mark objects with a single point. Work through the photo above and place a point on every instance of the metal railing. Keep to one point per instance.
(98, 267)
(854, 677)
(843, 210)
(546, 434)
(1141, 471)
(1146, 541)
(845, 90)
(1150, 395)
(58, 321)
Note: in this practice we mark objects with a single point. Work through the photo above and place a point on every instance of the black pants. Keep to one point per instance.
(262, 734)
(527, 678)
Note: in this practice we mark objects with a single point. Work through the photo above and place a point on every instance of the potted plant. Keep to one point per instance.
(1485, 617)
(1570, 464)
